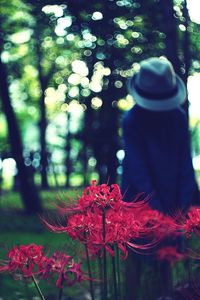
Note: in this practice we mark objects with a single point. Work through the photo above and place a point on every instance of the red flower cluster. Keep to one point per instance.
(102, 196)
(24, 259)
(125, 222)
(64, 266)
(192, 221)
(170, 254)
(28, 261)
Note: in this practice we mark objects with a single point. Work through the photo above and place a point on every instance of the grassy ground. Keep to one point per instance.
(12, 200)
(17, 228)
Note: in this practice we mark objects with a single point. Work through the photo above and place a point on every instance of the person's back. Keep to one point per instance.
(158, 159)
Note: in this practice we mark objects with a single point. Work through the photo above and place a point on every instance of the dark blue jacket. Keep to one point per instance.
(158, 158)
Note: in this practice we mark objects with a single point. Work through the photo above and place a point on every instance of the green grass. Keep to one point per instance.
(13, 200)
(14, 290)
(16, 228)
(47, 239)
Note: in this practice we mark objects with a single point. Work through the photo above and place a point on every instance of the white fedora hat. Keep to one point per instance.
(156, 87)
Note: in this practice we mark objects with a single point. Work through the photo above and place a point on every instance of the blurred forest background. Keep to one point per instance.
(63, 71)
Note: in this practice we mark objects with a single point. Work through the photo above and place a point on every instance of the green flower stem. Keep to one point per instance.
(105, 284)
(60, 294)
(89, 272)
(118, 273)
(114, 277)
(38, 288)
(100, 267)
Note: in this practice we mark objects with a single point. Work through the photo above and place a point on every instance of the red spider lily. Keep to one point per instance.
(30, 260)
(170, 254)
(25, 259)
(120, 227)
(167, 227)
(125, 222)
(89, 206)
(105, 196)
(160, 226)
(123, 225)
(101, 196)
(192, 221)
(127, 225)
(147, 218)
(68, 271)
(80, 225)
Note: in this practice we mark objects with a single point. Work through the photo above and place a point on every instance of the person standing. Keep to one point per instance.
(158, 158)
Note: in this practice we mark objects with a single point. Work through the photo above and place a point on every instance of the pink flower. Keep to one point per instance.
(24, 259)
(101, 196)
(192, 221)
(30, 260)
(170, 254)
(126, 223)
(64, 266)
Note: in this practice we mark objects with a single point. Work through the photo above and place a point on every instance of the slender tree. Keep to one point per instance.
(68, 151)
(44, 79)
(28, 191)
(43, 82)
(169, 28)
(177, 45)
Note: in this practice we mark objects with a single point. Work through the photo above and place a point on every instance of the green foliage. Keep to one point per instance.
(25, 230)
(78, 56)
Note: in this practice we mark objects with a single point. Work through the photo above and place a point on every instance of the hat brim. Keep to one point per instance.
(158, 105)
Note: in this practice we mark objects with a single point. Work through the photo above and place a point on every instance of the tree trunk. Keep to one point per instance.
(87, 138)
(43, 119)
(171, 41)
(68, 163)
(110, 145)
(169, 27)
(28, 191)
